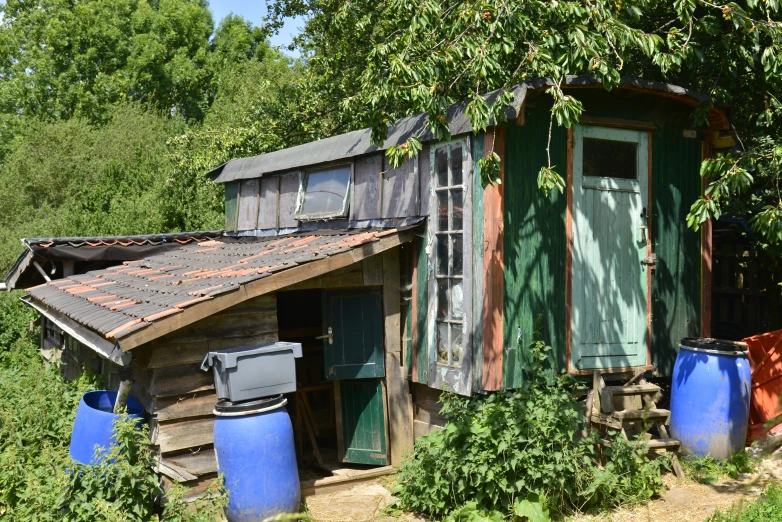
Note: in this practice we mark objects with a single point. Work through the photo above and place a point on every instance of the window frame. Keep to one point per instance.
(447, 375)
(321, 216)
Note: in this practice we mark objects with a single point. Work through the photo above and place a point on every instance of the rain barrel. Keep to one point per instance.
(710, 396)
(94, 423)
(255, 451)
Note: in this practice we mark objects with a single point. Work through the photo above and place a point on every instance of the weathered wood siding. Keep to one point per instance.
(183, 395)
(426, 410)
(377, 192)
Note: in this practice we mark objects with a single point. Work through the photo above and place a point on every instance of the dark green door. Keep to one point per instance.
(354, 357)
(363, 422)
(353, 334)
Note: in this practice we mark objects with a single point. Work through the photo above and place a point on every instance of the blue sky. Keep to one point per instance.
(255, 11)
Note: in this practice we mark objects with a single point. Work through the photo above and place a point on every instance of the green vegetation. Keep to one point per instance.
(768, 507)
(521, 452)
(38, 480)
(708, 470)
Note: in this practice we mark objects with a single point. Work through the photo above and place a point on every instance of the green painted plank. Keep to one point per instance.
(477, 150)
(421, 344)
(363, 422)
(231, 205)
(356, 321)
(535, 244)
(676, 281)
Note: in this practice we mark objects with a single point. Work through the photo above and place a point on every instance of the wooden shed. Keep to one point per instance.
(403, 282)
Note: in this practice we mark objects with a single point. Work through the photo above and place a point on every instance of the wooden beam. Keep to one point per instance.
(400, 402)
(262, 286)
(706, 258)
(617, 123)
(494, 267)
(328, 485)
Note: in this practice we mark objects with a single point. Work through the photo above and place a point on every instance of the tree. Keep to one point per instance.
(423, 55)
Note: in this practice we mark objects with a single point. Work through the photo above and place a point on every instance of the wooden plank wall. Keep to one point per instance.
(426, 410)
(378, 192)
(183, 396)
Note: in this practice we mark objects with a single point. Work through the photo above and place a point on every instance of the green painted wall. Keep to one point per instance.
(676, 296)
(421, 345)
(231, 205)
(535, 229)
(534, 243)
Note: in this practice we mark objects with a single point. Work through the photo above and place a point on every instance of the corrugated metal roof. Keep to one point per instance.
(124, 298)
(357, 143)
(95, 248)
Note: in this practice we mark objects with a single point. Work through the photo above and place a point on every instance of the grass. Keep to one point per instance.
(767, 508)
(708, 470)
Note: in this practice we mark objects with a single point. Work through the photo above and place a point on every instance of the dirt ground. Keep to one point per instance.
(682, 501)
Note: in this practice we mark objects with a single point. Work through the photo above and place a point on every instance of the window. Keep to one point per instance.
(324, 193)
(448, 215)
(610, 158)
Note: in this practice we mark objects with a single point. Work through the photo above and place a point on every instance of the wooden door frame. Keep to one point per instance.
(638, 126)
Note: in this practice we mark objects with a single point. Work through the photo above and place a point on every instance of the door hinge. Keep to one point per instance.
(650, 261)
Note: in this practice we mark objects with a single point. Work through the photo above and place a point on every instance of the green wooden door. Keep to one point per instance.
(363, 425)
(610, 240)
(354, 347)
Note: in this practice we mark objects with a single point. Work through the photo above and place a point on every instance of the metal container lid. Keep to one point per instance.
(226, 408)
(715, 346)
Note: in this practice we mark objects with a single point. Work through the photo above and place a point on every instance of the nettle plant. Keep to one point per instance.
(521, 453)
(445, 51)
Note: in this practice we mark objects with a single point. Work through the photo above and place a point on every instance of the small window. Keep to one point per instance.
(610, 159)
(324, 193)
(448, 182)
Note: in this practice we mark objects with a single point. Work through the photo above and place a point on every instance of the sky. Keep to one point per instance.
(254, 11)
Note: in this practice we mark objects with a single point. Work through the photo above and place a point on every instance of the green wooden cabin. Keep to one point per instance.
(607, 273)
(434, 282)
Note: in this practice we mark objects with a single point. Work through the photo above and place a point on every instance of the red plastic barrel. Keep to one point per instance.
(765, 356)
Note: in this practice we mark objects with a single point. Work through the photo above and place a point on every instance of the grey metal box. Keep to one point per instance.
(243, 374)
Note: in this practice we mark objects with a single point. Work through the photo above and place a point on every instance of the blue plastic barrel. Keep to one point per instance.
(94, 423)
(255, 451)
(710, 396)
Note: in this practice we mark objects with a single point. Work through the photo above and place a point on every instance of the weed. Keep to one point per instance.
(38, 480)
(520, 451)
(708, 470)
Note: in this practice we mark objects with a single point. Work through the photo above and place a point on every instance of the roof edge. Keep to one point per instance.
(357, 143)
(136, 337)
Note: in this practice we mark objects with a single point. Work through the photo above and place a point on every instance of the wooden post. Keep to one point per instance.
(400, 403)
(494, 269)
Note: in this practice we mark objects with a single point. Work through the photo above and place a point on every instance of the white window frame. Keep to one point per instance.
(303, 178)
(447, 375)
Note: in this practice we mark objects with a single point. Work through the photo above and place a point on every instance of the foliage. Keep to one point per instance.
(38, 480)
(709, 470)
(123, 485)
(521, 452)
(767, 507)
(435, 53)
(72, 178)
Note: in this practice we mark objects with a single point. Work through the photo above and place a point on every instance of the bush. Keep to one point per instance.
(521, 452)
(38, 480)
(122, 486)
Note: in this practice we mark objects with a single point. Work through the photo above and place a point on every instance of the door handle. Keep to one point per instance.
(329, 336)
(643, 233)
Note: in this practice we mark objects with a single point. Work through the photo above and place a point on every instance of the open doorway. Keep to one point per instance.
(339, 408)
